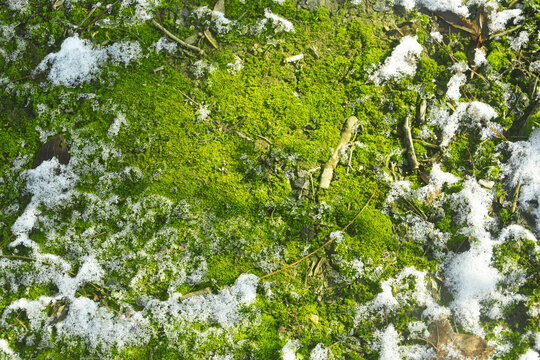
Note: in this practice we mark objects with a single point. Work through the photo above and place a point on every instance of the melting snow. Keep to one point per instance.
(401, 62)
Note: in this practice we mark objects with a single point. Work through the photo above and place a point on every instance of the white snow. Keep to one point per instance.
(236, 66)
(466, 115)
(499, 19)
(437, 36)
(4, 347)
(530, 355)
(456, 82)
(280, 24)
(77, 61)
(50, 185)
(479, 57)
(522, 168)
(222, 24)
(80, 61)
(19, 5)
(164, 44)
(516, 43)
(124, 51)
(288, 352)
(115, 126)
(455, 6)
(400, 63)
(223, 308)
(389, 344)
(319, 352)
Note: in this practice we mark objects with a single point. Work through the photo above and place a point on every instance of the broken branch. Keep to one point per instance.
(182, 43)
(409, 142)
(328, 170)
(325, 244)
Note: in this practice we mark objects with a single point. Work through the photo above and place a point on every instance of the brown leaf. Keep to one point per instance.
(454, 346)
(55, 147)
(220, 6)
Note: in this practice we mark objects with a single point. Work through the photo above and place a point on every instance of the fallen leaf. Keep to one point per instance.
(454, 346)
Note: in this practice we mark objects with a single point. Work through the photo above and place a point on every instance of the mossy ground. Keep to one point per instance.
(230, 177)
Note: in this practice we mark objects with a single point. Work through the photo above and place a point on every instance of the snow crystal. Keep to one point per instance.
(530, 355)
(516, 43)
(221, 23)
(101, 327)
(535, 67)
(80, 61)
(479, 57)
(164, 44)
(389, 344)
(466, 115)
(319, 352)
(498, 19)
(33, 308)
(143, 9)
(4, 347)
(90, 271)
(115, 126)
(455, 6)
(223, 308)
(281, 24)
(470, 275)
(456, 82)
(280, 2)
(522, 168)
(20, 5)
(400, 63)
(77, 61)
(236, 66)
(49, 184)
(437, 36)
(288, 352)
(203, 112)
(124, 51)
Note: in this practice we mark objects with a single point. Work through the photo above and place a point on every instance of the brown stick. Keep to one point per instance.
(324, 245)
(409, 142)
(328, 170)
(182, 43)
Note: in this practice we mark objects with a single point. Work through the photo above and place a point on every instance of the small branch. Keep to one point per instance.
(188, 97)
(427, 144)
(350, 153)
(196, 293)
(96, 235)
(324, 245)
(88, 16)
(328, 170)
(495, 130)
(417, 210)
(182, 43)
(5, 242)
(516, 197)
(409, 143)
(430, 343)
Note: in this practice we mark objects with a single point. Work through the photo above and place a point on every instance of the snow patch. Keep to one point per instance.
(400, 63)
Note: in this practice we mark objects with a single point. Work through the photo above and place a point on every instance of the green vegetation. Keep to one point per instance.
(216, 174)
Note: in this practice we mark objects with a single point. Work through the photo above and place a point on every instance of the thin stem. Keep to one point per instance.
(324, 245)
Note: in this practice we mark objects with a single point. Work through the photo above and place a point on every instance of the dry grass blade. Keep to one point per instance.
(324, 245)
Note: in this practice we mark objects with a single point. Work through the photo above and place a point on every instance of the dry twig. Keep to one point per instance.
(324, 245)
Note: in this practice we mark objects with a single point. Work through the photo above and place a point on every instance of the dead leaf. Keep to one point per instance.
(210, 38)
(55, 147)
(220, 6)
(453, 346)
